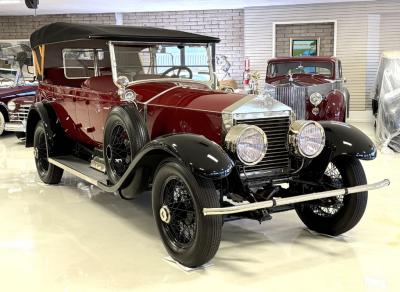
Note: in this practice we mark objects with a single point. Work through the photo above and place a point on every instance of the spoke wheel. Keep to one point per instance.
(119, 152)
(337, 215)
(178, 199)
(48, 173)
(177, 213)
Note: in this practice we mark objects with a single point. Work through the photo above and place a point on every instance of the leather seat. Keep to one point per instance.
(100, 83)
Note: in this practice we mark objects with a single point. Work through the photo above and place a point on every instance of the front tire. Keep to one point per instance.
(48, 173)
(178, 199)
(2, 123)
(334, 216)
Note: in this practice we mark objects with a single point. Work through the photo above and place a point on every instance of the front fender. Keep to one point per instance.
(344, 139)
(203, 157)
(334, 108)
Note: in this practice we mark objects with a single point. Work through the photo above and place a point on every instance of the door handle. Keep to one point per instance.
(90, 129)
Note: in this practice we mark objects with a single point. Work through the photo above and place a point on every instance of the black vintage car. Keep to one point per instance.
(122, 108)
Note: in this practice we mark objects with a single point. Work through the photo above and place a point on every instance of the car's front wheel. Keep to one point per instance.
(336, 215)
(178, 199)
(48, 173)
(2, 123)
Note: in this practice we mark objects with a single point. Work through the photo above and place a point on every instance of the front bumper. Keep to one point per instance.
(16, 126)
(294, 199)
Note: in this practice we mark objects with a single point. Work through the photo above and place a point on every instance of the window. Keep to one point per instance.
(320, 68)
(84, 63)
(162, 61)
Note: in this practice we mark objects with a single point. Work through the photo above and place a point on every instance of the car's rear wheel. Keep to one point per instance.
(2, 123)
(48, 173)
(178, 199)
(336, 215)
(124, 135)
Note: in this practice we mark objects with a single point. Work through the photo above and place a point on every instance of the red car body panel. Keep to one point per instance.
(188, 107)
(9, 93)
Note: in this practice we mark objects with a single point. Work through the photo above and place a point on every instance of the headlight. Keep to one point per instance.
(307, 138)
(11, 106)
(316, 98)
(248, 142)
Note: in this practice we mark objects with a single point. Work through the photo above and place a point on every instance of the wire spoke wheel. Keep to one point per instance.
(119, 151)
(330, 206)
(177, 201)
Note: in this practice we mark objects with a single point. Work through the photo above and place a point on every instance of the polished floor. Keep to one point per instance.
(73, 237)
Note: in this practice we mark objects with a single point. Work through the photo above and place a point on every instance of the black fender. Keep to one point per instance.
(341, 139)
(203, 157)
(58, 144)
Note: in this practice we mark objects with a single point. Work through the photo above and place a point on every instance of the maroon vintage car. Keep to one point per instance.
(312, 86)
(129, 109)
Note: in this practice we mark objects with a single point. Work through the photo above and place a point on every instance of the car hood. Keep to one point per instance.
(16, 91)
(299, 79)
(197, 97)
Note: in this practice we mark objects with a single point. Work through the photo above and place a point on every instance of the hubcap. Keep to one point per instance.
(165, 214)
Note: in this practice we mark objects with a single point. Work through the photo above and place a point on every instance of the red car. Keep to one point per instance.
(129, 109)
(312, 86)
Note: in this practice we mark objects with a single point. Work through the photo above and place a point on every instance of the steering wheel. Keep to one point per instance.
(179, 68)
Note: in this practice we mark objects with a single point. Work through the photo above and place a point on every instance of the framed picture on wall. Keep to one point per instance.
(304, 47)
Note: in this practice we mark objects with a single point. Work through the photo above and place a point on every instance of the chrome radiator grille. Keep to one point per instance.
(21, 114)
(293, 96)
(276, 160)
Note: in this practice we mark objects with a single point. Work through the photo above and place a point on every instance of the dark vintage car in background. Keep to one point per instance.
(312, 86)
(17, 88)
(123, 109)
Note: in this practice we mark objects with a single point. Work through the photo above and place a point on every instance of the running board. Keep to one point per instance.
(81, 169)
(294, 199)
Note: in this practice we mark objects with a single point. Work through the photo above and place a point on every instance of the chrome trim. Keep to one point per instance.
(294, 199)
(74, 172)
(15, 127)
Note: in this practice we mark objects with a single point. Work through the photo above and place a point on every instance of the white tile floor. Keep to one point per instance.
(72, 237)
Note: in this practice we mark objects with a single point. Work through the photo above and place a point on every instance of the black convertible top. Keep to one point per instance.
(63, 32)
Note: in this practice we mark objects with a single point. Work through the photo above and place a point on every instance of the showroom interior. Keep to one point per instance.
(244, 164)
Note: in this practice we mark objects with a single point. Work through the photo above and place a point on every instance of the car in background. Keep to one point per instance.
(17, 88)
(312, 86)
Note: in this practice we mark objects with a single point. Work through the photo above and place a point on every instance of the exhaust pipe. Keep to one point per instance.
(294, 199)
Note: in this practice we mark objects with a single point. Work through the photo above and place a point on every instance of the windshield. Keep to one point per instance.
(140, 62)
(15, 60)
(281, 69)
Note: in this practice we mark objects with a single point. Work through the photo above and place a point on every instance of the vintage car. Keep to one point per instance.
(312, 86)
(17, 91)
(120, 108)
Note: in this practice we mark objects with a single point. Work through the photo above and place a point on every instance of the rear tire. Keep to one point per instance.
(334, 216)
(178, 199)
(48, 173)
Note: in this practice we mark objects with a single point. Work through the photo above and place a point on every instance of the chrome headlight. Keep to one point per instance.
(316, 98)
(11, 106)
(307, 138)
(248, 142)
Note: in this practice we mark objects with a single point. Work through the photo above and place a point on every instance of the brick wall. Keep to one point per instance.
(324, 31)
(21, 27)
(225, 24)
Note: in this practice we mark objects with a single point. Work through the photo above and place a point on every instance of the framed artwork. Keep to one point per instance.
(304, 47)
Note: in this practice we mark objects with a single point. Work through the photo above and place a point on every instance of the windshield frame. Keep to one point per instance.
(210, 62)
(331, 76)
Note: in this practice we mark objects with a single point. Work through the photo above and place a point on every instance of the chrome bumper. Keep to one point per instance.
(15, 127)
(294, 199)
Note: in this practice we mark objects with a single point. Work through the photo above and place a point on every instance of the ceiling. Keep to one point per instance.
(17, 7)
